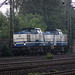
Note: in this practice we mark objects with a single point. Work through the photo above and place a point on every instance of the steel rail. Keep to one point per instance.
(38, 61)
(66, 72)
(36, 66)
(20, 58)
(17, 58)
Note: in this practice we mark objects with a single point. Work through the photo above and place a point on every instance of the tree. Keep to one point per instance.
(29, 20)
(4, 26)
(45, 8)
(53, 11)
(5, 51)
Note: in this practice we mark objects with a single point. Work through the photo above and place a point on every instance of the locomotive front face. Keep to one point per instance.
(19, 39)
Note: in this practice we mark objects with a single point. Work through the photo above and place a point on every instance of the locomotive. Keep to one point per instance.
(34, 41)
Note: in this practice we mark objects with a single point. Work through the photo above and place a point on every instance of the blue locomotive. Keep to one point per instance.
(34, 41)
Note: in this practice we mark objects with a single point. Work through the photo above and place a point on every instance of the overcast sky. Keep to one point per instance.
(73, 0)
(7, 7)
(4, 7)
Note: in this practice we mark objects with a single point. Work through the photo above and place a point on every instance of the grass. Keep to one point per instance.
(49, 56)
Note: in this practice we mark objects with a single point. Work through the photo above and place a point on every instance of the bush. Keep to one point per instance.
(33, 74)
(30, 74)
(6, 51)
(49, 56)
(54, 70)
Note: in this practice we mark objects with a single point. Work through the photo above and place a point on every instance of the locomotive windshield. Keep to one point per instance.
(60, 32)
(33, 30)
(39, 31)
(55, 32)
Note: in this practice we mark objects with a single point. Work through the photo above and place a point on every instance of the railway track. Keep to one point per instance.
(35, 64)
(32, 58)
(15, 58)
(35, 57)
(66, 72)
(22, 58)
(38, 61)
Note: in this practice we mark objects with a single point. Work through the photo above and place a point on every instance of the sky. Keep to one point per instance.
(4, 8)
(7, 7)
(73, 0)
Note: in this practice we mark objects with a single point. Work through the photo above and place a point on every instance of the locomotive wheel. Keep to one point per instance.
(52, 51)
(62, 50)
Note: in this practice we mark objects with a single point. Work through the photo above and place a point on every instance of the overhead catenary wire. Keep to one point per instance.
(2, 3)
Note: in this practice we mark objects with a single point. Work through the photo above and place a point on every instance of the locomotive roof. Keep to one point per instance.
(53, 30)
(29, 28)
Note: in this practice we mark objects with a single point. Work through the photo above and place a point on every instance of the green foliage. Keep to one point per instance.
(4, 26)
(53, 13)
(52, 10)
(30, 74)
(5, 51)
(69, 51)
(29, 20)
(45, 14)
(54, 70)
(33, 74)
(49, 56)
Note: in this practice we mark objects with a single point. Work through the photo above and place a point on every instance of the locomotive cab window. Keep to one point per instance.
(33, 31)
(55, 32)
(39, 31)
(60, 32)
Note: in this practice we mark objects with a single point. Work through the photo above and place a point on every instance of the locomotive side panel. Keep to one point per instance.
(57, 39)
(48, 39)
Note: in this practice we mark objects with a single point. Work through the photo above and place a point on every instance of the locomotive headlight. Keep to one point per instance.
(15, 44)
(24, 43)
